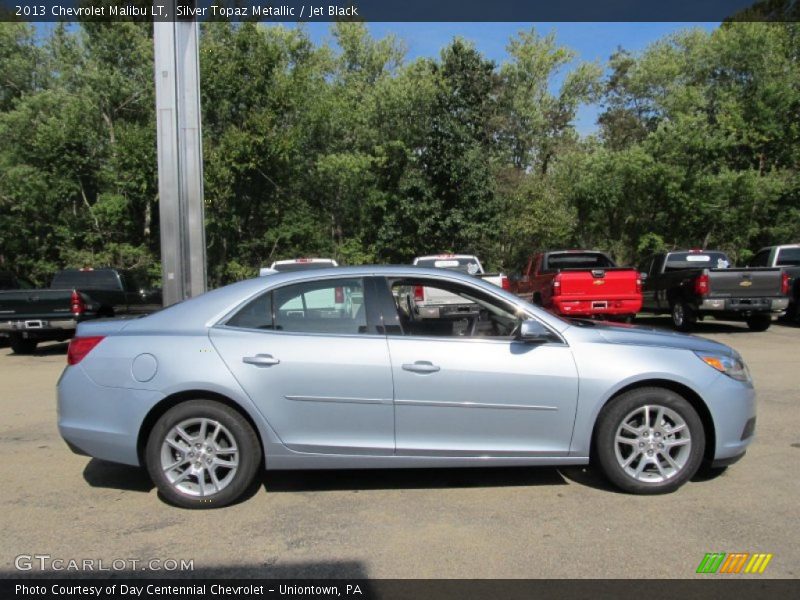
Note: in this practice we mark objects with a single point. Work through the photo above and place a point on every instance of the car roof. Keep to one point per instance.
(203, 311)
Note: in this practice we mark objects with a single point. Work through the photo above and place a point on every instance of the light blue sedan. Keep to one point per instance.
(333, 369)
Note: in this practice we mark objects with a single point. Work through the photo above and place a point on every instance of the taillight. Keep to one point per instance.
(505, 283)
(556, 287)
(79, 347)
(77, 305)
(419, 293)
(638, 285)
(701, 287)
(338, 295)
(785, 283)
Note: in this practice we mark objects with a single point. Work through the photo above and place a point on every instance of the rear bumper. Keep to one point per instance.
(102, 422)
(597, 306)
(40, 329)
(744, 305)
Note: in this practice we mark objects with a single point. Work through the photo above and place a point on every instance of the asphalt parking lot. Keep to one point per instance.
(470, 523)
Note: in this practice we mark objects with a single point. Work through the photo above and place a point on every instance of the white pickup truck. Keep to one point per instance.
(433, 303)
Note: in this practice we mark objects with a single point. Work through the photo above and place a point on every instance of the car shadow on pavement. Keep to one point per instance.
(395, 479)
(102, 474)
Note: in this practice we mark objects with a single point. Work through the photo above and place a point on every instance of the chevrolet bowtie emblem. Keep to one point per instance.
(745, 283)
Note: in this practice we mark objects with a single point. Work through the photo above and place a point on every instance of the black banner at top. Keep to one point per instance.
(401, 10)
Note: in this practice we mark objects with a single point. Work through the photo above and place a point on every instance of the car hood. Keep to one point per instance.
(638, 335)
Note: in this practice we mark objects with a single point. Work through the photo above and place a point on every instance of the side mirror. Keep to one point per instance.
(642, 275)
(533, 332)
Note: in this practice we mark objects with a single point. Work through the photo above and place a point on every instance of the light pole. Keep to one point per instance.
(180, 156)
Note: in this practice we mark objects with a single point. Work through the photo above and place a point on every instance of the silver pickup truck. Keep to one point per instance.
(434, 303)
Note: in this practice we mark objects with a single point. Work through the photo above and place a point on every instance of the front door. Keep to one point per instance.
(464, 386)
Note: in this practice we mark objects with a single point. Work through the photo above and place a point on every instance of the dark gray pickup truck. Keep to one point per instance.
(786, 257)
(30, 316)
(693, 284)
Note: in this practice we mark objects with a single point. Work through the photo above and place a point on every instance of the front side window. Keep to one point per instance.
(430, 308)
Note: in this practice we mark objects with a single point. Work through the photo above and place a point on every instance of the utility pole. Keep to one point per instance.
(180, 156)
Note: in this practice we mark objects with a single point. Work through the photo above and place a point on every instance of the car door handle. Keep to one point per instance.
(261, 360)
(422, 366)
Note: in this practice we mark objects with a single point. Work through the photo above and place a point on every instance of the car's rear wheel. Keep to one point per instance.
(21, 345)
(649, 441)
(759, 322)
(683, 316)
(202, 454)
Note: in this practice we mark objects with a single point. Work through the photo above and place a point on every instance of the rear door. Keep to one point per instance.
(315, 366)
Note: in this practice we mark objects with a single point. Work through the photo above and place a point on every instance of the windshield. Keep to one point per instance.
(788, 257)
(468, 265)
(302, 266)
(677, 261)
(579, 260)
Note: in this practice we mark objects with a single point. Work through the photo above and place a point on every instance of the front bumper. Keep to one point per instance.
(732, 405)
(98, 421)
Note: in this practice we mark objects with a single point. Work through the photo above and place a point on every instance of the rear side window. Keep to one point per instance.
(760, 259)
(256, 315)
(334, 306)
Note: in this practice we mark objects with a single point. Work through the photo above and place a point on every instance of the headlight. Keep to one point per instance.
(732, 366)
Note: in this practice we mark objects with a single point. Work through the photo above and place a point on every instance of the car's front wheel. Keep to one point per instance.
(649, 441)
(202, 454)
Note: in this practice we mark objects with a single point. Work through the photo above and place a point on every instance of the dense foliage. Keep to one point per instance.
(349, 150)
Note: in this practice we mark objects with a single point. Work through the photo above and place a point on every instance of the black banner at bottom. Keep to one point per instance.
(395, 589)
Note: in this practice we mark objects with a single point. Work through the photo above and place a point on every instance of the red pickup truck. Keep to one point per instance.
(580, 283)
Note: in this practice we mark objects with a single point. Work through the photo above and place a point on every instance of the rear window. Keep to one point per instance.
(468, 265)
(86, 280)
(789, 257)
(579, 260)
(696, 260)
(302, 266)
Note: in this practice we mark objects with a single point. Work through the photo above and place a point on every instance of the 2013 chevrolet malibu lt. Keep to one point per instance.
(334, 368)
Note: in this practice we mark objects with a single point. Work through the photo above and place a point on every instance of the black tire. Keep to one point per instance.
(611, 419)
(683, 315)
(244, 439)
(22, 346)
(759, 322)
(536, 300)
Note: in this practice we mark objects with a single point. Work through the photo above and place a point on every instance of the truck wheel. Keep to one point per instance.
(202, 454)
(22, 346)
(683, 316)
(537, 300)
(759, 322)
(649, 441)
